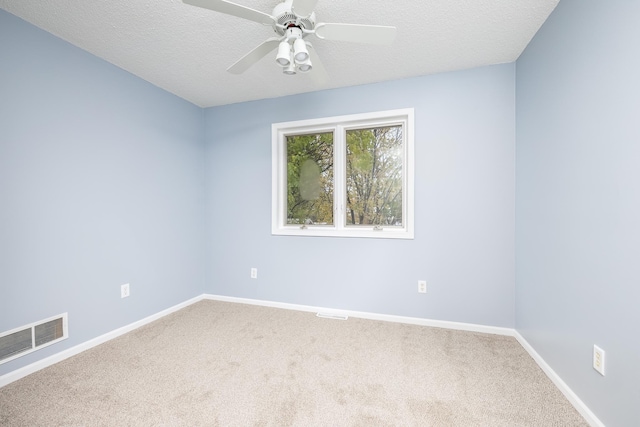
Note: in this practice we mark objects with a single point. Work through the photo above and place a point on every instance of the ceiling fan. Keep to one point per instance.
(293, 21)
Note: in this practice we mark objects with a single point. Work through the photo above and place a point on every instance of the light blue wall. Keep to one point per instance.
(464, 205)
(578, 201)
(105, 179)
(101, 183)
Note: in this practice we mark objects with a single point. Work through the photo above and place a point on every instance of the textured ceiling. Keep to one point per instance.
(186, 50)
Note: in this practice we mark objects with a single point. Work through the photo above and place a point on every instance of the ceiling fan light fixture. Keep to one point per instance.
(306, 66)
(289, 70)
(284, 54)
(300, 52)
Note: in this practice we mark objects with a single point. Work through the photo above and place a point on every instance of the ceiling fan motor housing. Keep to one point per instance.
(286, 18)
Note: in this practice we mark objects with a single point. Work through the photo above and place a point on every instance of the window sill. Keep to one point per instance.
(368, 233)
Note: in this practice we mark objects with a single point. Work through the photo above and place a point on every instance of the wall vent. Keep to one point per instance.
(332, 316)
(25, 339)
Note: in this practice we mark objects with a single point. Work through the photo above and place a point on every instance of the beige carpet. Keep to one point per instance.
(224, 364)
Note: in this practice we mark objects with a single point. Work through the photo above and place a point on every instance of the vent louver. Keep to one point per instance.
(28, 338)
(15, 343)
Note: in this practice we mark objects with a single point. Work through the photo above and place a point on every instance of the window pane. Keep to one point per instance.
(374, 176)
(310, 179)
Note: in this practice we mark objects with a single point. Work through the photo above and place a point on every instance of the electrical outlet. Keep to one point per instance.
(254, 273)
(598, 359)
(422, 286)
(124, 290)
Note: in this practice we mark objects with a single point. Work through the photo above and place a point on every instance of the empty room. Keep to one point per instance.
(319, 213)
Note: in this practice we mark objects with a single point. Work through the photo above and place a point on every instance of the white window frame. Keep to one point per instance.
(339, 125)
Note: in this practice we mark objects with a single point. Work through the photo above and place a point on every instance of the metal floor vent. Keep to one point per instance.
(25, 339)
(332, 316)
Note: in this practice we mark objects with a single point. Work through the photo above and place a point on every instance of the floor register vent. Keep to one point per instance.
(332, 316)
(25, 339)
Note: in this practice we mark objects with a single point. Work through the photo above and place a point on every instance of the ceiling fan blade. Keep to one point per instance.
(254, 56)
(318, 73)
(304, 8)
(233, 9)
(373, 34)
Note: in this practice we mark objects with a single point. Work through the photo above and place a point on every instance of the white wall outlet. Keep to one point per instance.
(254, 273)
(124, 290)
(422, 286)
(598, 359)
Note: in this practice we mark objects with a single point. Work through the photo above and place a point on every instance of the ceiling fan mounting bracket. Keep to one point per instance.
(285, 18)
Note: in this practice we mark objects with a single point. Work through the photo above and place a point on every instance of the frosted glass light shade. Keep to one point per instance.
(306, 66)
(284, 54)
(290, 69)
(300, 52)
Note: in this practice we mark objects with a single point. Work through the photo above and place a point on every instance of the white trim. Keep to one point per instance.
(496, 330)
(338, 125)
(65, 354)
(573, 398)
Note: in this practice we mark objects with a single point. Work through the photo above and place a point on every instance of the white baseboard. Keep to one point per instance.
(65, 354)
(371, 316)
(562, 386)
(573, 398)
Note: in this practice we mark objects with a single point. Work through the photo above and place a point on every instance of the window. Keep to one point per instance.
(349, 176)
